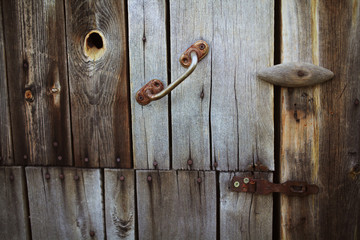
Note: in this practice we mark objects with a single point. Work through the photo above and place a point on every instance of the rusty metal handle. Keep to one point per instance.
(154, 89)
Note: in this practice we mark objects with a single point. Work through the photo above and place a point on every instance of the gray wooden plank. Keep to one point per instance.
(65, 203)
(148, 60)
(244, 215)
(34, 33)
(242, 130)
(175, 205)
(320, 128)
(98, 77)
(14, 223)
(120, 204)
(190, 101)
(6, 154)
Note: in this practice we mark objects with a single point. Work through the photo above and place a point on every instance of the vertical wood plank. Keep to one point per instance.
(37, 77)
(148, 60)
(320, 125)
(65, 203)
(120, 204)
(98, 82)
(174, 205)
(190, 101)
(6, 153)
(244, 215)
(242, 125)
(14, 222)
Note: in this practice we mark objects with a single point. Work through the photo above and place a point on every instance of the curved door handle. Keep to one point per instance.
(154, 89)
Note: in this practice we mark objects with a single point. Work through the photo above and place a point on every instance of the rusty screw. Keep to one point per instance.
(55, 144)
(117, 159)
(149, 178)
(215, 164)
(47, 176)
(59, 158)
(199, 180)
(25, 64)
(236, 184)
(28, 96)
(76, 177)
(356, 102)
(12, 177)
(61, 176)
(155, 163)
(25, 157)
(190, 162)
(86, 159)
(92, 233)
(144, 39)
(122, 178)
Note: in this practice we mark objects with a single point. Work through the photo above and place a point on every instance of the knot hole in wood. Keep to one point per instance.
(94, 45)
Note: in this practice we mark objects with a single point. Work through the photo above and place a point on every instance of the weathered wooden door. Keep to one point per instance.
(83, 160)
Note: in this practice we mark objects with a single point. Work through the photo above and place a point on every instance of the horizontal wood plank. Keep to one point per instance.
(65, 203)
(176, 205)
(98, 76)
(120, 207)
(14, 223)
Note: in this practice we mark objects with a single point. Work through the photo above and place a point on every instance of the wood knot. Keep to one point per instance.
(94, 45)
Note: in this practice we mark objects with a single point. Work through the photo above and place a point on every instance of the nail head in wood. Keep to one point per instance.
(295, 74)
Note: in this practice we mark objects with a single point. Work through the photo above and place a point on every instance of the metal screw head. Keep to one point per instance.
(236, 184)
(25, 157)
(199, 180)
(122, 178)
(155, 163)
(118, 159)
(92, 233)
(190, 162)
(76, 177)
(61, 176)
(55, 144)
(59, 158)
(47, 176)
(86, 159)
(215, 164)
(246, 180)
(12, 177)
(149, 178)
(356, 102)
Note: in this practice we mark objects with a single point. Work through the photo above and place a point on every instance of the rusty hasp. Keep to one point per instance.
(262, 186)
(154, 89)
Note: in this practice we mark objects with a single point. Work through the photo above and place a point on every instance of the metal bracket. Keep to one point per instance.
(262, 186)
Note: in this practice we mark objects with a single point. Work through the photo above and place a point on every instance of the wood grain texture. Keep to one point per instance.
(68, 208)
(320, 125)
(99, 88)
(244, 215)
(37, 77)
(242, 125)
(148, 60)
(120, 204)
(295, 74)
(190, 101)
(222, 99)
(6, 152)
(14, 222)
(173, 205)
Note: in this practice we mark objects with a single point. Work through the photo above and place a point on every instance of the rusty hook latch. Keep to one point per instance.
(262, 186)
(154, 89)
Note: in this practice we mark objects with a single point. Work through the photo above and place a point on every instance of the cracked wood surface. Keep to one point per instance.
(120, 206)
(174, 205)
(222, 110)
(37, 80)
(320, 125)
(148, 60)
(68, 208)
(244, 215)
